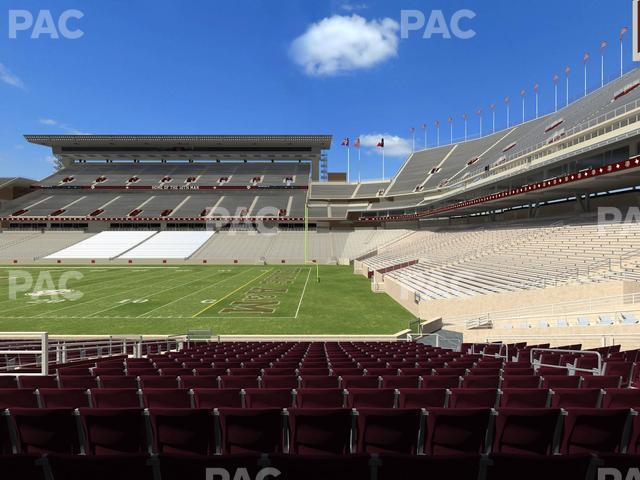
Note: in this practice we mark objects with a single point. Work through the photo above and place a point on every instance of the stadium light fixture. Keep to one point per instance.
(603, 47)
(585, 61)
(492, 107)
(555, 87)
(507, 102)
(623, 30)
(567, 72)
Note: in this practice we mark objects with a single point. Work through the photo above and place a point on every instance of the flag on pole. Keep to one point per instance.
(345, 142)
(380, 143)
(623, 30)
(412, 130)
(536, 88)
(567, 70)
(603, 44)
(586, 57)
(356, 144)
(424, 126)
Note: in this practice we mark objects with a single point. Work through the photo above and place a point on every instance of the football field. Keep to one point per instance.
(227, 299)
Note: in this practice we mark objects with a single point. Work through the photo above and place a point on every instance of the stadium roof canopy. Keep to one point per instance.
(72, 148)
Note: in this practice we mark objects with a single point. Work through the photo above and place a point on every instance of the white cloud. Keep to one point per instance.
(394, 146)
(9, 78)
(350, 7)
(341, 44)
(50, 122)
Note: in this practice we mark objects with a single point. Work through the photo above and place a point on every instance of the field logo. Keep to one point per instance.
(44, 289)
(436, 24)
(241, 474)
(615, 474)
(44, 24)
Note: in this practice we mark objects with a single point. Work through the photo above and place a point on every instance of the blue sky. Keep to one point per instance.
(289, 66)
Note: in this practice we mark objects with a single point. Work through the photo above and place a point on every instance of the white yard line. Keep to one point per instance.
(142, 315)
(303, 290)
(153, 294)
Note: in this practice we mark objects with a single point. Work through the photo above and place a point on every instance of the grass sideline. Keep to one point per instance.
(256, 299)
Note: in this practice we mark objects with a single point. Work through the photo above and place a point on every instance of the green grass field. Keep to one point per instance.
(174, 299)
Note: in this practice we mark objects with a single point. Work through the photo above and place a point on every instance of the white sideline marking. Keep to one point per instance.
(303, 290)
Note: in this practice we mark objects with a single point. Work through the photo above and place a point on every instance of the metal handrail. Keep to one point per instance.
(555, 350)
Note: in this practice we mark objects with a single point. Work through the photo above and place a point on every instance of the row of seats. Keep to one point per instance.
(347, 381)
(385, 466)
(328, 431)
(323, 398)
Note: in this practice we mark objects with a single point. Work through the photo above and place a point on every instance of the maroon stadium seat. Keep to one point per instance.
(397, 381)
(251, 430)
(180, 431)
(166, 398)
(520, 381)
(239, 381)
(109, 431)
(575, 397)
(217, 397)
(601, 381)
(37, 381)
(560, 382)
(422, 397)
(320, 398)
(268, 398)
(319, 381)
(388, 430)
(115, 398)
(524, 398)
(371, 397)
(78, 381)
(46, 430)
(621, 398)
(473, 398)
(456, 431)
(279, 381)
(18, 397)
(359, 381)
(156, 381)
(594, 430)
(63, 397)
(117, 381)
(441, 381)
(320, 431)
(526, 430)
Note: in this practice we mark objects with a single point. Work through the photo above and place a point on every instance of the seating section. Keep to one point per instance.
(361, 414)
(179, 245)
(104, 245)
(464, 263)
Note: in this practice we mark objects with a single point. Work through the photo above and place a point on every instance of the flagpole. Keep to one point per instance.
(348, 163)
(358, 164)
(383, 176)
